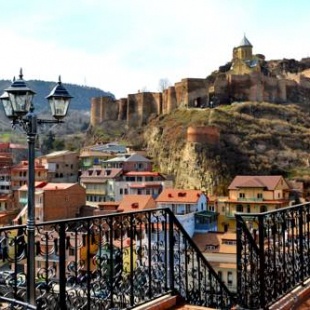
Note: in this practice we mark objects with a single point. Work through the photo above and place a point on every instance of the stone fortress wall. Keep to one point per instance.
(137, 108)
(246, 77)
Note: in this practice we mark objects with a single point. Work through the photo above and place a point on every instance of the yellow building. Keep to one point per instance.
(220, 249)
(252, 194)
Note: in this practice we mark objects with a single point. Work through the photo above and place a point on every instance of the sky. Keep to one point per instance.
(127, 46)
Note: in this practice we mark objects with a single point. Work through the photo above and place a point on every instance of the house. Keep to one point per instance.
(5, 180)
(19, 177)
(129, 162)
(95, 154)
(13, 153)
(62, 166)
(185, 204)
(220, 249)
(7, 210)
(99, 184)
(111, 182)
(253, 194)
(140, 183)
(54, 201)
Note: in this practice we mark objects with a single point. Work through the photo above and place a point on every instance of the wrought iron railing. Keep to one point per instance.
(273, 254)
(116, 261)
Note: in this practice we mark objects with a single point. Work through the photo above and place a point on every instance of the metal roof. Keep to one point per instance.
(245, 42)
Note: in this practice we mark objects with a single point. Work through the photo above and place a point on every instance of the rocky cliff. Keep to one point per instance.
(254, 138)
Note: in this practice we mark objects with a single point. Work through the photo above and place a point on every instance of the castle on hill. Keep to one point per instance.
(247, 77)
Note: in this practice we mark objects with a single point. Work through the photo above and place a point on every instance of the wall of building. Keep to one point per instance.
(63, 203)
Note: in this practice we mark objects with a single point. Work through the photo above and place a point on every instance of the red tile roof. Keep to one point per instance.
(136, 202)
(172, 195)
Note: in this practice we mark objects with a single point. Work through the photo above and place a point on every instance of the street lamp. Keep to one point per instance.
(18, 107)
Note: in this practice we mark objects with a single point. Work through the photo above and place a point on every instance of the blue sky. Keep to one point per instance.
(124, 46)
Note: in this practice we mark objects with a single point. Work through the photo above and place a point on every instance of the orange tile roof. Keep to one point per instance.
(36, 185)
(203, 240)
(48, 186)
(136, 202)
(56, 186)
(173, 195)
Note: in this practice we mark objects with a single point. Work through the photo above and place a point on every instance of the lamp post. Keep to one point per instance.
(18, 107)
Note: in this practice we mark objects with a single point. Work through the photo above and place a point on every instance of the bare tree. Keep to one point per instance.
(163, 84)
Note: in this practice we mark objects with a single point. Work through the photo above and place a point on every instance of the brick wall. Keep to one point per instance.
(63, 203)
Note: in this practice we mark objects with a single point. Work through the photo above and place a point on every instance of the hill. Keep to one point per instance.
(81, 94)
(77, 120)
(255, 138)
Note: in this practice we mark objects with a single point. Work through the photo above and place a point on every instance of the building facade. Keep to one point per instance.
(62, 166)
(185, 204)
(252, 194)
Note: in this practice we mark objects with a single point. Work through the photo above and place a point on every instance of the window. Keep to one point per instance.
(188, 208)
(239, 208)
(220, 274)
(229, 278)
(139, 166)
(241, 195)
(210, 247)
(260, 195)
(263, 209)
(71, 251)
(121, 191)
(229, 242)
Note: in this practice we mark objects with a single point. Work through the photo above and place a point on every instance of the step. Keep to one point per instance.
(169, 302)
(189, 307)
(165, 302)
